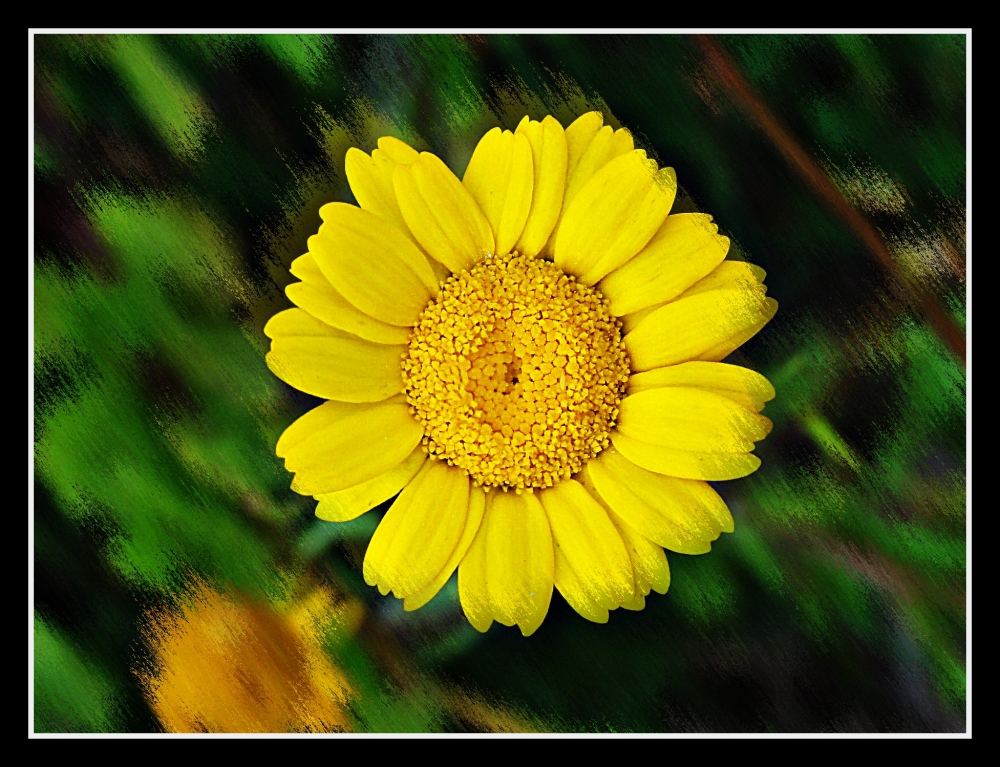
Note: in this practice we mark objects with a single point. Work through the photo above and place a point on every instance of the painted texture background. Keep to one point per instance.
(180, 584)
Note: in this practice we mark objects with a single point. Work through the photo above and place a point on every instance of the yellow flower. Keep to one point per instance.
(531, 355)
(228, 665)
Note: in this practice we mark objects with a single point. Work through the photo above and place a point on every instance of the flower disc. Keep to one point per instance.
(516, 372)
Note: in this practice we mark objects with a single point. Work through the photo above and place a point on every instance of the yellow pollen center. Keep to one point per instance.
(516, 371)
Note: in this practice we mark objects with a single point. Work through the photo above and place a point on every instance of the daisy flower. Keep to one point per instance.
(529, 358)
(235, 664)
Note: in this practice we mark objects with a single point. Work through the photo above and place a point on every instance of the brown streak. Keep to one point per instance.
(725, 72)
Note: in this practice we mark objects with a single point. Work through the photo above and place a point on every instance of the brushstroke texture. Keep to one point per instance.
(177, 177)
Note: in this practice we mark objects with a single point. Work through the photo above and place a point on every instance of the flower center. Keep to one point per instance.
(516, 372)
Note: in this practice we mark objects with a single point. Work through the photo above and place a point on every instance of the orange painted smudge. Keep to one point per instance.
(233, 664)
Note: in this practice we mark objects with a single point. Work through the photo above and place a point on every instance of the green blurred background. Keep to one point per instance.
(177, 176)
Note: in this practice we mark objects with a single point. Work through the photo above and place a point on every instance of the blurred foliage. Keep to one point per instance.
(177, 176)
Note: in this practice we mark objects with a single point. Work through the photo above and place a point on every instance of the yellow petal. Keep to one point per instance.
(575, 593)
(724, 348)
(549, 159)
(689, 503)
(326, 362)
(631, 321)
(690, 535)
(500, 178)
(441, 213)
(292, 323)
(684, 249)
(370, 178)
(371, 181)
(642, 552)
(473, 592)
(315, 421)
(588, 540)
(638, 601)
(352, 449)
(306, 269)
(683, 463)
(350, 503)
(691, 419)
(318, 297)
(649, 563)
(683, 515)
(641, 223)
(477, 503)
(398, 151)
(441, 271)
(690, 327)
(372, 264)
(735, 286)
(588, 152)
(419, 533)
(579, 136)
(730, 275)
(519, 565)
(605, 146)
(739, 384)
(614, 216)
